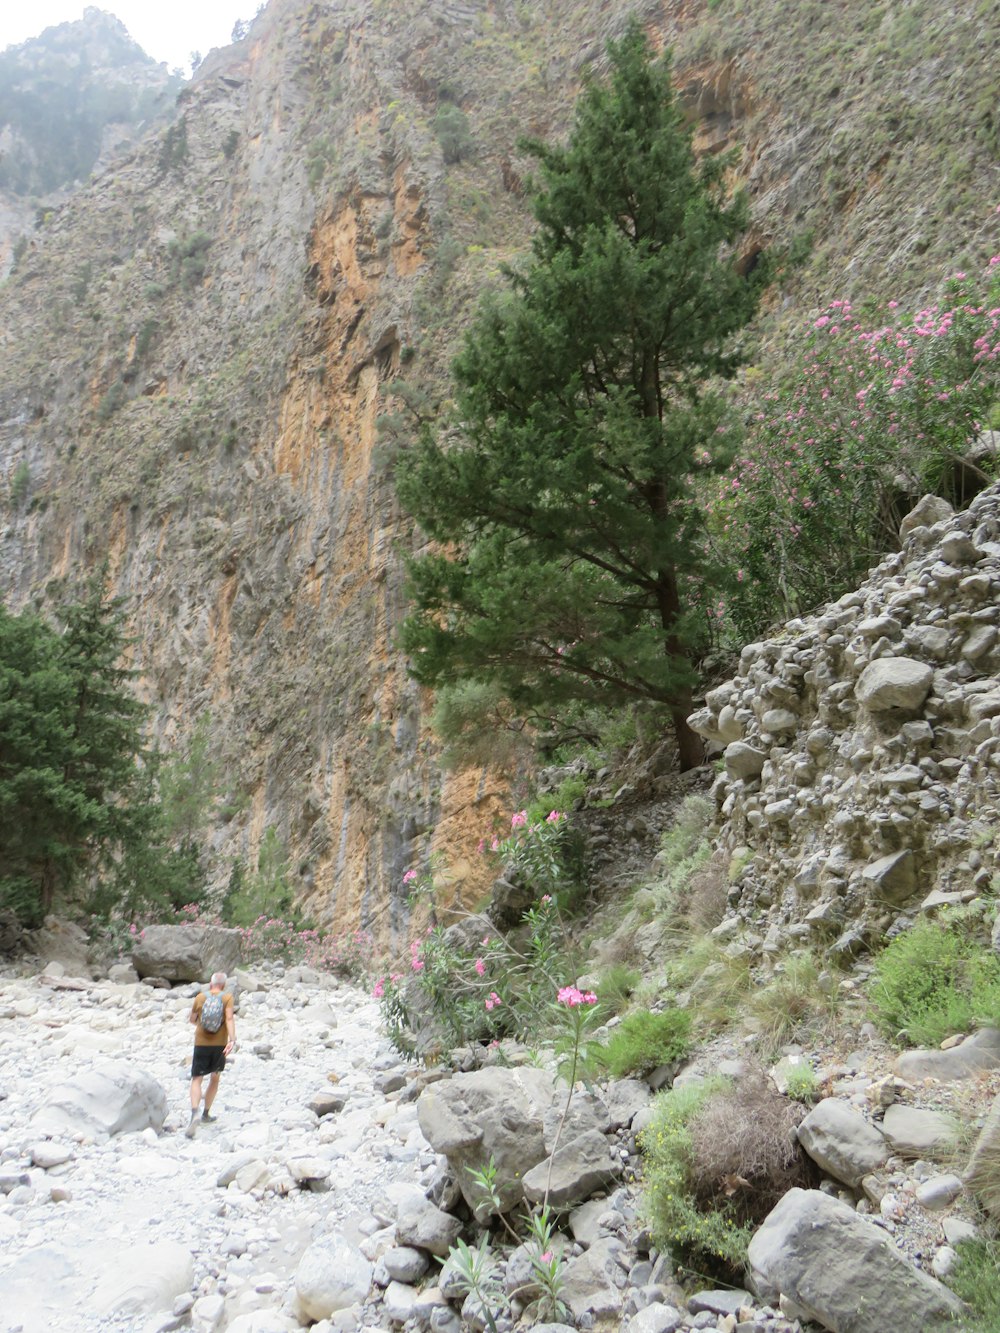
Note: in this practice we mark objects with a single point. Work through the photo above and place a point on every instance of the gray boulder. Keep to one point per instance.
(422, 1225)
(893, 877)
(593, 1282)
(891, 684)
(655, 1318)
(493, 1114)
(915, 1132)
(977, 1053)
(577, 1170)
(332, 1275)
(744, 761)
(111, 1098)
(925, 513)
(842, 1142)
(624, 1098)
(586, 1113)
(186, 953)
(841, 1270)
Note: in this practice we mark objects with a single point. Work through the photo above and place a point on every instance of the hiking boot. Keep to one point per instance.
(192, 1125)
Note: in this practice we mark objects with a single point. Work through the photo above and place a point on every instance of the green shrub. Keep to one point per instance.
(938, 978)
(616, 986)
(977, 1281)
(19, 483)
(643, 1041)
(451, 127)
(706, 1235)
(802, 1083)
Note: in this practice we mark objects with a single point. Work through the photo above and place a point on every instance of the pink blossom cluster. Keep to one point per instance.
(572, 996)
(492, 1000)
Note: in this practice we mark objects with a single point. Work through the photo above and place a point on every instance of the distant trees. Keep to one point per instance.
(573, 562)
(81, 815)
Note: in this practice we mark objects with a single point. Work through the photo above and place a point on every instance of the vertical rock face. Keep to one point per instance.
(882, 793)
(200, 349)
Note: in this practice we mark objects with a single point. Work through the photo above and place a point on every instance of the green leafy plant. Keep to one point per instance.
(642, 1041)
(451, 128)
(935, 979)
(801, 1083)
(702, 1234)
(975, 1281)
(615, 987)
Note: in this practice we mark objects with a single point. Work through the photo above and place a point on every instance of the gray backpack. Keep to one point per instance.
(213, 1011)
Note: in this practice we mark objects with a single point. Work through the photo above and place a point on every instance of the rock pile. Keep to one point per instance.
(862, 745)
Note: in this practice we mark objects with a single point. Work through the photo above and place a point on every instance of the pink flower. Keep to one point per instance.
(480, 967)
(378, 990)
(545, 1258)
(554, 816)
(495, 845)
(486, 939)
(546, 897)
(572, 996)
(492, 1000)
(409, 877)
(519, 820)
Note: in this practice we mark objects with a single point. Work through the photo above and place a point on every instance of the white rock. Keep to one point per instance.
(151, 1280)
(331, 1276)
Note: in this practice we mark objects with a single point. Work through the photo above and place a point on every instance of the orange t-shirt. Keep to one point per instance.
(220, 1038)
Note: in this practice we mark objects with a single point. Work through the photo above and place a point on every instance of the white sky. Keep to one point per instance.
(167, 30)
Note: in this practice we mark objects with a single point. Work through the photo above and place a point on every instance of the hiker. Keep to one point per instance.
(214, 1039)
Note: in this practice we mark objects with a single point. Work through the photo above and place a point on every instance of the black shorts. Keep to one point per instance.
(208, 1060)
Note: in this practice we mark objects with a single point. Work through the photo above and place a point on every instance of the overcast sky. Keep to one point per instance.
(168, 30)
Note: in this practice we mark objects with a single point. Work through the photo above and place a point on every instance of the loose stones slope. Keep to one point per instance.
(862, 746)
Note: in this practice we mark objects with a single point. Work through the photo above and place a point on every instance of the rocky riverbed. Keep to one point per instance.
(102, 1233)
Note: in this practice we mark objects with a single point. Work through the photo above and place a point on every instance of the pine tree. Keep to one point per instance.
(73, 798)
(575, 563)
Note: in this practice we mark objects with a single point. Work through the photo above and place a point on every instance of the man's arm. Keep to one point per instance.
(230, 1027)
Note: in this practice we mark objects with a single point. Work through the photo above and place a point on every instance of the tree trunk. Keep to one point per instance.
(690, 746)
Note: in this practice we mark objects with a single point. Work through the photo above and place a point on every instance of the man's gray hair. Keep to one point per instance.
(218, 979)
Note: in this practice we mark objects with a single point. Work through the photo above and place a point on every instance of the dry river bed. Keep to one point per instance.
(81, 1240)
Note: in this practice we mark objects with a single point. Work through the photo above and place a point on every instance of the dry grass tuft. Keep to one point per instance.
(743, 1147)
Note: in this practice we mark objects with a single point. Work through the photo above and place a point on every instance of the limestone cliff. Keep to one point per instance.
(201, 346)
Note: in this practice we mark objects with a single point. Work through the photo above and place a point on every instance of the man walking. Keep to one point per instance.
(214, 1039)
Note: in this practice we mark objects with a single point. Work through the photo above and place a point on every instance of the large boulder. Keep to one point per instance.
(894, 684)
(594, 1282)
(577, 1170)
(332, 1275)
(422, 1225)
(842, 1142)
(841, 1270)
(915, 1131)
(976, 1054)
(111, 1098)
(151, 1280)
(493, 1115)
(186, 953)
